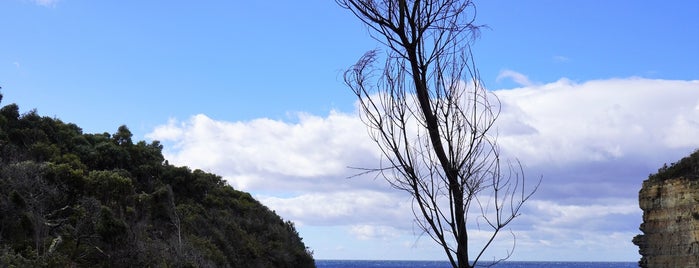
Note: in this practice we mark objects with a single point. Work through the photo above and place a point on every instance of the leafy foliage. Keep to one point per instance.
(687, 167)
(99, 200)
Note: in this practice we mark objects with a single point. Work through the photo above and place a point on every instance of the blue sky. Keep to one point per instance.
(596, 95)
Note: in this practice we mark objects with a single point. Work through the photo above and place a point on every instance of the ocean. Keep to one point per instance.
(444, 264)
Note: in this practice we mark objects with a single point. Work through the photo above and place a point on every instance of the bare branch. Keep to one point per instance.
(428, 112)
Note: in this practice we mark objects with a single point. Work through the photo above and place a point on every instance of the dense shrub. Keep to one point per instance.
(687, 167)
(101, 200)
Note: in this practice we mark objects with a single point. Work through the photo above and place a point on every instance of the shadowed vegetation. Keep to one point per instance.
(100, 200)
(687, 167)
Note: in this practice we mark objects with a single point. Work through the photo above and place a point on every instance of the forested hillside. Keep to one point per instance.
(101, 200)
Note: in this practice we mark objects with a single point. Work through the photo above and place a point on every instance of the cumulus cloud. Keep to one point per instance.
(570, 216)
(593, 142)
(599, 138)
(265, 154)
(601, 120)
(354, 207)
(684, 130)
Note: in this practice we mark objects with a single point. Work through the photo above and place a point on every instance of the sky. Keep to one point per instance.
(596, 95)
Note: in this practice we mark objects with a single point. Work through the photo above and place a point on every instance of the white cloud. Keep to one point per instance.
(600, 120)
(684, 130)
(354, 207)
(265, 154)
(552, 214)
(518, 78)
(593, 142)
(560, 58)
(576, 244)
(172, 131)
(381, 232)
(46, 3)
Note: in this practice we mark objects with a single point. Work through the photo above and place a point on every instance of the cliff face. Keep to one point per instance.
(670, 222)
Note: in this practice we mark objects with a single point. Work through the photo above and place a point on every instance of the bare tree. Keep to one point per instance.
(432, 118)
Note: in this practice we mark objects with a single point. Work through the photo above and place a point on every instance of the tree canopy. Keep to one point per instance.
(687, 167)
(100, 200)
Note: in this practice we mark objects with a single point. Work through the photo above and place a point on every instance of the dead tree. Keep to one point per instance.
(432, 118)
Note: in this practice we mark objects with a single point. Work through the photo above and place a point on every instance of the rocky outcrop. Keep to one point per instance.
(670, 217)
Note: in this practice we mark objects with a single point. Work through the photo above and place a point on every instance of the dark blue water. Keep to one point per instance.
(443, 264)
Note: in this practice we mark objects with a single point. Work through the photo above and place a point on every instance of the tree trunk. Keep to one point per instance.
(448, 167)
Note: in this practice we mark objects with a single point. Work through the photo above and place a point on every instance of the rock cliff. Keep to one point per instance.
(670, 204)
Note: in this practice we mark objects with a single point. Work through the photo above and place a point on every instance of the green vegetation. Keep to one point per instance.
(100, 200)
(687, 167)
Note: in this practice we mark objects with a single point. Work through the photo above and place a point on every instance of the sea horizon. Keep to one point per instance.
(325, 263)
